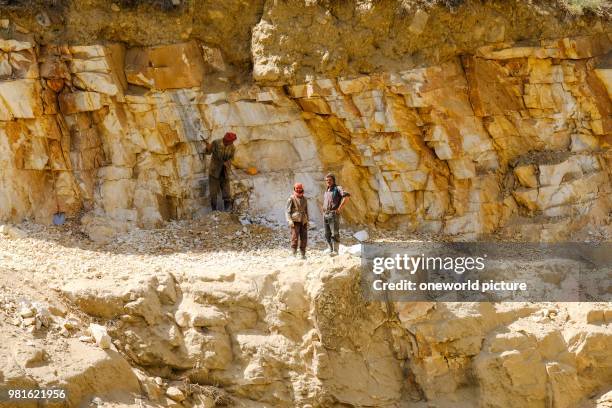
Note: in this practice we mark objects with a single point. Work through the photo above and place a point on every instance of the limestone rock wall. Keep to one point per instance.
(514, 138)
(518, 354)
(276, 338)
(446, 149)
(290, 338)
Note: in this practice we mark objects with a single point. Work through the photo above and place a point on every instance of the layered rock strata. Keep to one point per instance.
(513, 138)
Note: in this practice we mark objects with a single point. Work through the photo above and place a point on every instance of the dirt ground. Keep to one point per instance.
(38, 263)
(48, 256)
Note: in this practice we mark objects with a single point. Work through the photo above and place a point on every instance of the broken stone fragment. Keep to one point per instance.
(26, 312)
(70, 323)
(42, 314)
(361, 235)
(97, 402)
(462, 168)
(94, 65)
(213, 59)
(175, 394)
(354, 250)
(101, 337)
(153, 390)
(356, 85)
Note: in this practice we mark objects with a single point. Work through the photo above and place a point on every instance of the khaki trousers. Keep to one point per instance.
(299, 232)
(215, 184)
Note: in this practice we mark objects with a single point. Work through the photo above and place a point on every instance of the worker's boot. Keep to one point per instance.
(303, 254)
(213, 205)
(228, 205)
(332, 252)
(294, 252)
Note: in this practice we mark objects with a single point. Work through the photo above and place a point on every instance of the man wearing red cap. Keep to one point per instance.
(297, 217)
(222, 152)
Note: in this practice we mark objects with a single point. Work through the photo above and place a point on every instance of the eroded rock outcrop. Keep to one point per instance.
(513, 139)
(289, 338)
(278, 338)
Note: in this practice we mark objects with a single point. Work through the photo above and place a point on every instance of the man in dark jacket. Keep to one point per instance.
(222, 152)
(297, 217)
(334, 200)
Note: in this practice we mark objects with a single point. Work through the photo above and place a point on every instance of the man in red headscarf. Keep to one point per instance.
(297, 217)
(222, 152)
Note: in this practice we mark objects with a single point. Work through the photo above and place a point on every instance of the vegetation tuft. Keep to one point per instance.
(580, 7)
(32, 5)
(164, 5)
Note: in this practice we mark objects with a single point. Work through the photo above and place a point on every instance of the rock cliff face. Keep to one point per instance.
(485, 118)
(511, 138)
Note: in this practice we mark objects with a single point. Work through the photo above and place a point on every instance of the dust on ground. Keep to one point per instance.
(44, 257)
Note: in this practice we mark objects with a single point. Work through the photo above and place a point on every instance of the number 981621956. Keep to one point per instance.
(16, 394)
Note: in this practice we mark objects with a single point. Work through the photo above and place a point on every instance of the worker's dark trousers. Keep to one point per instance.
(332, 227)
(299, 232)
(216, 184)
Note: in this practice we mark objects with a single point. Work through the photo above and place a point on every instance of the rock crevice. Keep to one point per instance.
(512, 139)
